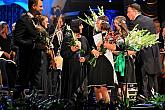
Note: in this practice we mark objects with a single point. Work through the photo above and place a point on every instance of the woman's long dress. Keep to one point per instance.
(73, 72)
(43, 76)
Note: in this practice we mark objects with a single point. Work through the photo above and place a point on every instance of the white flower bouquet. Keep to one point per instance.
(74, 41)
(139, 39)
(91, 20)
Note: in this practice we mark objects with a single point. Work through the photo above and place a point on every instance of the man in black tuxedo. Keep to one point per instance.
(30, 58)
(147, 62)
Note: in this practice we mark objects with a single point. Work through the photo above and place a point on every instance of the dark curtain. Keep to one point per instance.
(161, 10)
(10, 13)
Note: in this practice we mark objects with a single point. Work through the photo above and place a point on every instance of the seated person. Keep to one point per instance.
(6, 55)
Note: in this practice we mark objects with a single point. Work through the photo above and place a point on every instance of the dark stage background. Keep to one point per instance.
(10, 11)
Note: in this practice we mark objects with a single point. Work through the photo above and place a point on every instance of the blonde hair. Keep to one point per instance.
(122, 22)
(41, 18)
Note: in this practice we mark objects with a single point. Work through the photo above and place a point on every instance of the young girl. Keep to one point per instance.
(102, 75)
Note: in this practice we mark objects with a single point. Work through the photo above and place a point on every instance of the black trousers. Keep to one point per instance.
(145, 81)
(11, 71)
(149, 82)
(161, 83)
(55, 82)
(8, 72)
(3, 71)
(32, 69)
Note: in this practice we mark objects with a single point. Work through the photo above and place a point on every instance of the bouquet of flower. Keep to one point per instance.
(90, 20)
(101, 49)
(93, 60)
(74, 41)
(42, 39)
(139, 39)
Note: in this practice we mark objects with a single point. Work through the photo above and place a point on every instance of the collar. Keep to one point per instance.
(137, 16)
(30, 15)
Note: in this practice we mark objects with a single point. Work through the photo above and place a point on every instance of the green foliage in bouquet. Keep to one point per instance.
(93, 60)
(74, 41)
(81, 51)
(42, 35)
(70, 32)
(91, 19)
(139, 39)
(102, 50)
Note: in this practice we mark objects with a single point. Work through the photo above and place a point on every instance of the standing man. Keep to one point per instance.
(30, 48)
(148, 59)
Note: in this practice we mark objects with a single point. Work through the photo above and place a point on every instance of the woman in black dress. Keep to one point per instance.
(75, 57)
(7, 54)
(121, 31)
(124, 60)
(44, 54)
(102, 74)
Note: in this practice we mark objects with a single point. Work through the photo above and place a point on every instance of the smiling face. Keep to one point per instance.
(5, 28)
(116, 24)
(45, 22)
(60, 22)
(98, 25)
(38, 7)
(131, 13)
(157, 26)
(163, 32)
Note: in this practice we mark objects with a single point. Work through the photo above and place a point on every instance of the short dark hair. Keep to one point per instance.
(104, 18)
(105, 26)
(135, 6)
(32, 2)
(75, 23)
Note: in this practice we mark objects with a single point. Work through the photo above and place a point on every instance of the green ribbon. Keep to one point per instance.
(120, 63)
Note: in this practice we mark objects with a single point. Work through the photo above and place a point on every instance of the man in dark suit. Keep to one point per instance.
(147, 62)
(30, 58)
